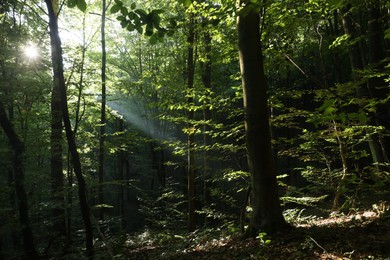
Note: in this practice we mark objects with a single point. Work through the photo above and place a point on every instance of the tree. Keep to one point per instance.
(58, 78)
(207, 140)
(18, 171)
(376, 84)
(102, 110)
(266, 211)
(56, 162)
(357, 63)
(190, 73)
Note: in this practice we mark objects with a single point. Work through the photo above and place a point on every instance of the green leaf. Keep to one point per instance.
(121, 18)
(186, 3)
(124, 11)
(124, 23)
(133, 6)
(139, 29)
(337, 3)
(387, 33)
(118, 2)
(328, 107)
(158, 11)
(115, 8)
(82, 5)
(141, 13)
(156, 20)
(132, 16)
(362, 117)
(153, 39)
(72, 3)
(149, 29)
(130, 27)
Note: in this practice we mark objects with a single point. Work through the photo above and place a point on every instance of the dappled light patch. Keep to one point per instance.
(361, 235)
(339, 219)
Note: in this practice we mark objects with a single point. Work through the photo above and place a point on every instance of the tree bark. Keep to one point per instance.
(343, 156)
(362, 90)
(377, 86)
(102, 112)
(266, 210)
(56, 162)
(206, 79)
(21, 196)
(58, 78)
(190, 127)
(121, 179)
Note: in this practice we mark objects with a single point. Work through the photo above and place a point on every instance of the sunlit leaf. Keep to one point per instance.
(81, 5)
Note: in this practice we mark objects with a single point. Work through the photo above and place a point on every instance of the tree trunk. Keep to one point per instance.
(102, 113)
(206, 78)
(121, 179)
(18, 172)
(190, 127)
(266, 211)
(343, 156)
(56, 161)
(362, 90)
(58, 78)
(8, 90)
(377, 86)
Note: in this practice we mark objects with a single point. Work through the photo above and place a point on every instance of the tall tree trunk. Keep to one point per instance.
(56, 161)
(78, 115)
(102, 112)
(121, 179)
(338, 68)
(18, 172)
(354, 51)
(58, 78)
(190, 127)
(362, 90)
(266, 211)
(377, 86)
(206, 78)
(8, 90)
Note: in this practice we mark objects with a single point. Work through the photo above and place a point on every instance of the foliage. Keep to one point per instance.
(323, 131)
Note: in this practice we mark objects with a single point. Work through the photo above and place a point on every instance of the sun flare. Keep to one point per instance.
(31, 51)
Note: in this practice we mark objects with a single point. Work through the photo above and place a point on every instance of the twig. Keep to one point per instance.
(315, 242)
(296, 65)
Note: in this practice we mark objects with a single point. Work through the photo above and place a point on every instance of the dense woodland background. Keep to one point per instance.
(155, 105)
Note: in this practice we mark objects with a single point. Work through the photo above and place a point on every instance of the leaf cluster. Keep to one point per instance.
(81, 4)
(148, 23)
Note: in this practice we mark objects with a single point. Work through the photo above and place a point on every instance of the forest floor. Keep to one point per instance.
(363, 235)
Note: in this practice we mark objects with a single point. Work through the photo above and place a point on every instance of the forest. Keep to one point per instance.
(179, 129)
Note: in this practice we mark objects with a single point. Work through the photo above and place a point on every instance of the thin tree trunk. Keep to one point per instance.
(362, 90)
(18, 172)
(266, 211)
(121, 175)
(78, 116)
(102, 113)
(206, 78)
(343, 155)
(58, 78)
(377, 85)
(190, 127)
